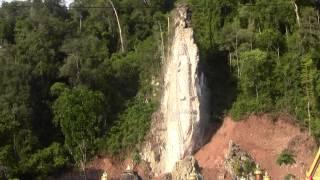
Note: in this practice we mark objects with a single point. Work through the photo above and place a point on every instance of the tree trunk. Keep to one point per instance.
(310, 28)
(257, 95)
(230, 59)
(238, 67)
(78, 68)
(83, 161)
(80, 26)
(259, 29)
(296, 10)
(168, 31)
(318, 17)
(84, 172)
(14, 144)
(237, 57)
(119, 26)
(309, 117)
(287, 32)
(162, 43)
(168, 25)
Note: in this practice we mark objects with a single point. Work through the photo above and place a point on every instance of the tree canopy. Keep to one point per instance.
(67, 90)
(269, 51)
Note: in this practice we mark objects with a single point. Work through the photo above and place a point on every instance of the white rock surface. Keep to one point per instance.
(179, 129)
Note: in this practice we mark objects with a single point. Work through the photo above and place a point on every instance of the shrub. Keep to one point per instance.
(286, 158)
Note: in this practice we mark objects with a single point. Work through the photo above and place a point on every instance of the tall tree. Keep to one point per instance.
(78, 112)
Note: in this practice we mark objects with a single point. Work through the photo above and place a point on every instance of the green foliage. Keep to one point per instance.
(290, 177)
(269, 40)
(47, 161)
(237, 168)
(248, 167)
(136, 157)
(253, 83)
(78, 112)
(243, 167)
(85, 54)
(270, 56)
(286, 158)
(58, 88)
(65, 86)
(131, 127)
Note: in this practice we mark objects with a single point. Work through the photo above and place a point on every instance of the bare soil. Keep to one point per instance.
(264, 139)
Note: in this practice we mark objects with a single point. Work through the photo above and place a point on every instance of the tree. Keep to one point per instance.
(287, 75)
(270, 40)
(308, 75)
(309, 30)
(296, 10)
(47, 161)
(84, 56)
(78, 112)
(131, 127)
(254, 71)
(119, 26)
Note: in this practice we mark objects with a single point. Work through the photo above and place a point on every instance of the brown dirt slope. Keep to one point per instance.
(264, 140)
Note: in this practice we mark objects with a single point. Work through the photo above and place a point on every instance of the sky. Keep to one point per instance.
(67, 1)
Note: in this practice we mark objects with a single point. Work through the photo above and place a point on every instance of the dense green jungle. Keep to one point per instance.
(71, 87)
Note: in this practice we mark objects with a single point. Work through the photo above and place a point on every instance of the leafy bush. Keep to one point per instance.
(286, 158)
(132, 126)
(290, 177)
(243, 167)
(136, 156)
(47, 161)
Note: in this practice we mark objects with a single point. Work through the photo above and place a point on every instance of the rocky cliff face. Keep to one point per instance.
(178, 128)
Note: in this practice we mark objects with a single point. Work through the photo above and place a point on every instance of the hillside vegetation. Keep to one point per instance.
(264, 53)
(68, 90)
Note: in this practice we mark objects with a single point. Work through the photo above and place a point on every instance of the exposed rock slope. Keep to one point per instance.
(179, 126)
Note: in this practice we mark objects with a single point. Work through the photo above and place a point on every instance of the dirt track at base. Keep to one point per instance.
(264, 140)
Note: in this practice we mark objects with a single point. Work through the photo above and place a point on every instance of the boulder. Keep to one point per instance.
(184, 168)
(129, 175)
